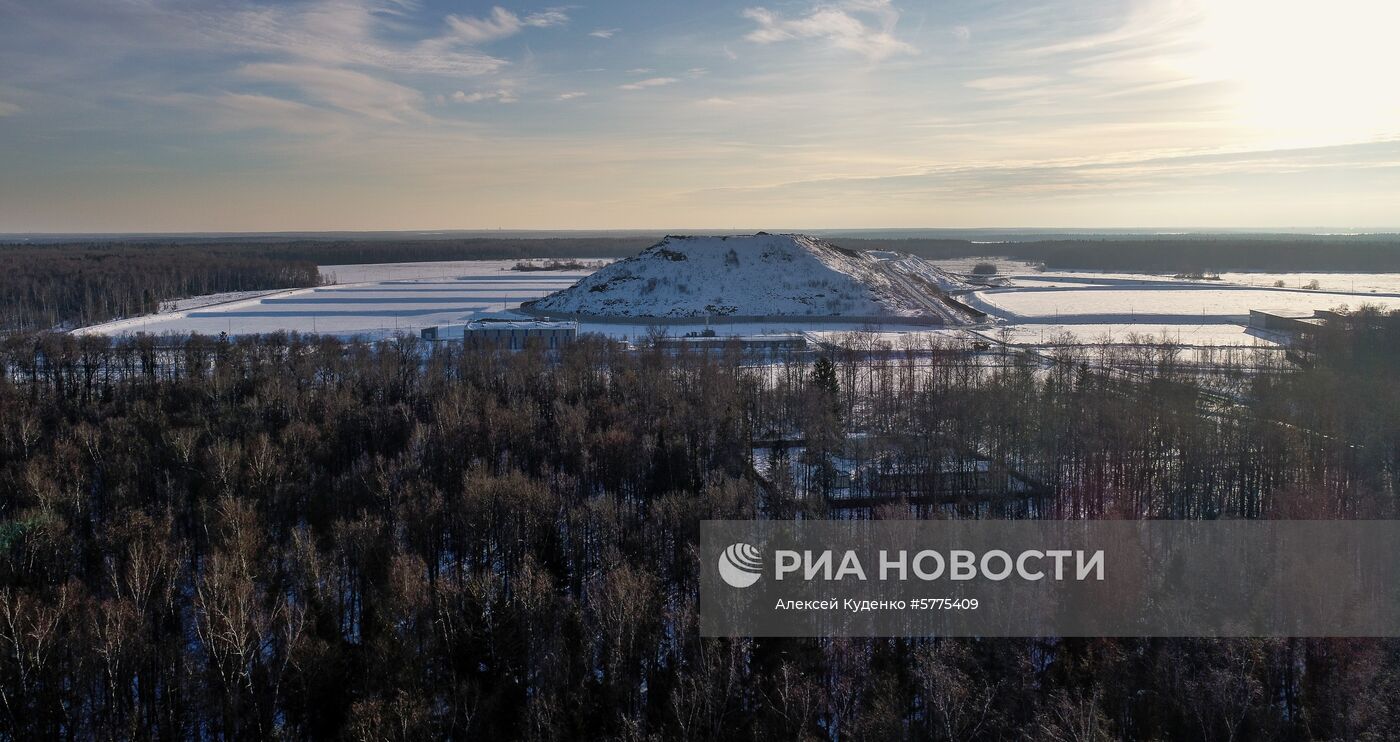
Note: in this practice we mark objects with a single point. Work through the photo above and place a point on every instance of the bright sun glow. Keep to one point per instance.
(1301, 70)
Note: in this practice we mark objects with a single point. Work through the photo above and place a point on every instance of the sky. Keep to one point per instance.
(213, 115)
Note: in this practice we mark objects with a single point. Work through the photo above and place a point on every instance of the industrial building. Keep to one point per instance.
(1286, 321)
(506, 334)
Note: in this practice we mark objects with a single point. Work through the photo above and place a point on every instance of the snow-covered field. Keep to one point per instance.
(1047, 308)
(1033, 309)
(383, 300)
(1179, 334)
(1155, 303)
(1358, 283)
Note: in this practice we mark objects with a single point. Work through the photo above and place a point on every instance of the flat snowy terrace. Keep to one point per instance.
(386, 300)
(1104, 300)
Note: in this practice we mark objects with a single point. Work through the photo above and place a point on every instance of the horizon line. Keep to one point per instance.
(1317, 231)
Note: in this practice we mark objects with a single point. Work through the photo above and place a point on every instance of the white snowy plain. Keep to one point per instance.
(384, 300)
(381, 300)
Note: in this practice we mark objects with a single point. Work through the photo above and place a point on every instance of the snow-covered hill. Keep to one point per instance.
(759, 276)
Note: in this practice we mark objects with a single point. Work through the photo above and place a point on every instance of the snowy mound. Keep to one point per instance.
(760, 275)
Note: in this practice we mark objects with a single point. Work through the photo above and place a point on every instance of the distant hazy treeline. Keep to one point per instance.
(1279, 253)
(1199, 252)
(485, 248)
(1284, 252)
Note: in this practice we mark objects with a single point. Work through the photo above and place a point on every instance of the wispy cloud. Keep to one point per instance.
(348, 55)
(339, 32)
(8, 109)
(1144, 173)
(572, 94)
(480, 96)
(604, 33)
(500, 23)
(347, 90)
(243, 111)
(865, 27)
(650, 82)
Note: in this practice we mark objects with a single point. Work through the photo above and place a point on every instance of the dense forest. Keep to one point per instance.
(297, 537)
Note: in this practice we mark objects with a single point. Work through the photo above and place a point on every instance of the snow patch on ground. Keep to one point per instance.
(208, 300)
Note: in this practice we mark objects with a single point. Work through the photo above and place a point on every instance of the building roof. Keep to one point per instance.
(520, 324)
(1285, 313)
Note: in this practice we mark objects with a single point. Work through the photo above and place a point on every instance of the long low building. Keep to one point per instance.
(1289, 321)
(507, 334)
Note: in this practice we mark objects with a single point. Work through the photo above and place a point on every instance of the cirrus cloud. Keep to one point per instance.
(865, 27)
(500, 23)
(500, 96)
(650, 82)
(348, 90)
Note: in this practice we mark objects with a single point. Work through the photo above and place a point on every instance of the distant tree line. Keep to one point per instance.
(1198, 254)
(74, 285)
(528, 266)
(362, 251)
(298, 537)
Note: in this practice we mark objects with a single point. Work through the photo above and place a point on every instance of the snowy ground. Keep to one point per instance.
(761, 275)
(1033, 309)
(1155, 303)
(1179, 334)
(209, 300)
(448, 269)
(1357, 283)
(370, 301)
(1047, 308)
